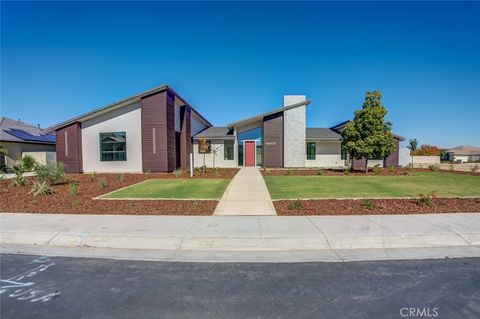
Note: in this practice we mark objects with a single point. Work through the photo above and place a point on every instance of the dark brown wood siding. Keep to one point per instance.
(393, 159)
(185, 137)
(155, 157)
(273, 140)
(69, 147)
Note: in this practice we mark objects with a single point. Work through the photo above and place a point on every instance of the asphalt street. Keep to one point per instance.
(57, 287)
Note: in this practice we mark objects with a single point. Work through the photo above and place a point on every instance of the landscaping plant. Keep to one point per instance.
(368, 135)
(120, 177)
(425, 199)
(28, 163)
(41, 188)
(204, 147)
(93, 176)
(177, 173)
(295, 205)
(368, 204)
(102, 182)
(434, 168)
(18, 179)
(52, 174)
(376, 170)
(474, 168)
(392, 169)
(73, 189)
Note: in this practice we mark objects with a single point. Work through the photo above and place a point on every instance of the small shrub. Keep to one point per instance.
(295, 205)
(177, 173)
(146, 175)
(266, 171)
(434, 168)
(320, 172)
(73, 189)
(216, 172)
(18, 179)
(474, 168)
(425, 199)
(346, 172)
(290, 172)
(451, 167)
(121, 177)
(28, 163)
(93, 176)
(41, 188)
(76, 203)
(368, 204)
(376, 170)
(392, 169)
(102, 182)
(52, 174)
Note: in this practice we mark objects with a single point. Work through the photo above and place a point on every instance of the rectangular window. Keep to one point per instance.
(228, 150)
(344, 154)
(311, 150)
(66, 143)
(113, 146)
(204, 149)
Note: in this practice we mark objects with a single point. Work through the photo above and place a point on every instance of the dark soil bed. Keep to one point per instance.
(331, 172)
(18, 199)
(380, 206)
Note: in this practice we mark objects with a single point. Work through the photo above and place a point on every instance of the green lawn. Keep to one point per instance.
(443, 184)
(207, 188)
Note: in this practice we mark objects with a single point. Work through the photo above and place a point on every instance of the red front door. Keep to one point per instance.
(249, 153)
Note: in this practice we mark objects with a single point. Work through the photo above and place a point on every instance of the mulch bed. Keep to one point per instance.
(330, 172)
(381, 206)
(19, 200)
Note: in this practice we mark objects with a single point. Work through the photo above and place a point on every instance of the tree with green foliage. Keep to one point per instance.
(412, 144)
(368, 135)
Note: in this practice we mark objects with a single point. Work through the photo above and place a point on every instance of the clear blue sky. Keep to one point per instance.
(233, 60)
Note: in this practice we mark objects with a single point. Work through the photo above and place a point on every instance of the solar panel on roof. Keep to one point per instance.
(26, 136)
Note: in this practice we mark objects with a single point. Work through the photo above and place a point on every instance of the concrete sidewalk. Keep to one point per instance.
(211, 237)
(246, 195)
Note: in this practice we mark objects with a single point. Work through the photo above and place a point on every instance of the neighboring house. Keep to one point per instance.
(157, 130)
(19, 138)
(464, 153)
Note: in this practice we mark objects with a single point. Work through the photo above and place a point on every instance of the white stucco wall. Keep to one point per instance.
(404, 157)
(294, 125)
(219, 158)
(126, 119)
(328, 155)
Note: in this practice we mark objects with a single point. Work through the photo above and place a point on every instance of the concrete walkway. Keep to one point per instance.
(247, 194)
(243, 238)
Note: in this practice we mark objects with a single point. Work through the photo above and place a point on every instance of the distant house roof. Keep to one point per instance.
(259, 117)
(339, 127)
(215, 133)
(322, 133)
(465, 150)
(16, 131)
(119, 104)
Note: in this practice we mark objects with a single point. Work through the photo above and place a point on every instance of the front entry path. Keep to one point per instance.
(247, 194)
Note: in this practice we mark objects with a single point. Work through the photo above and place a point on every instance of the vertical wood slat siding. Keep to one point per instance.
(273, 140)
(171, 145)
(158, 117)
(70, 137)
(185, 137)
(393, 159)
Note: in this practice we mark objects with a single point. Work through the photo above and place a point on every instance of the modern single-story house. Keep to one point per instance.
(20, 138)
(157, 130)
(464, 153)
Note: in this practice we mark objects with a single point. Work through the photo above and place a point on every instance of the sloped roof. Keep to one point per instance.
(465, 150)
(119, 104)
(339, 127)
(17, 131)
(322, 133)
(260, 117)
(216, 133)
